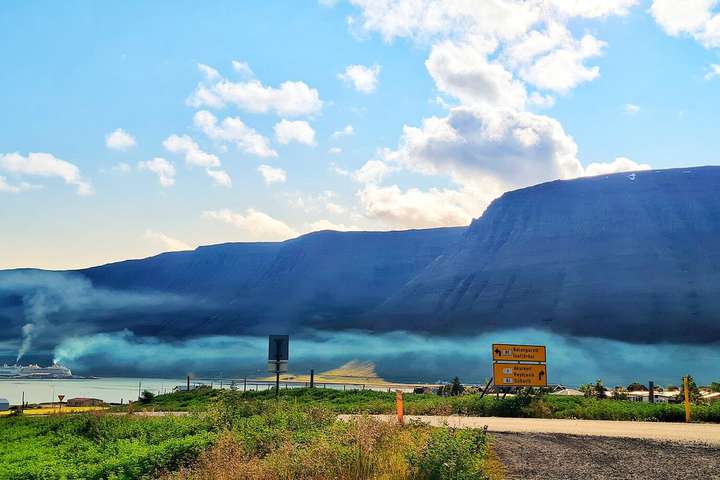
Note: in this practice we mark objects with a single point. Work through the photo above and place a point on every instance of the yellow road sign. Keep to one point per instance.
(521, 353)
(519, 375)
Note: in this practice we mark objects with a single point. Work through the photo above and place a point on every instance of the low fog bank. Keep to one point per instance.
(399, 356)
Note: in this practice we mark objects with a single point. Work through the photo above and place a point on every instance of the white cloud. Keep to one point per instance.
(347, 131)
(168, 243)
(697, 18)
(185, 145)
(335, 151)
(233, 130)
(162, 168)
(713, 71)
(563, 69)
(220, 177)
(541, 101)
(373, 171)
(300, 131)
(46, 165)
(620, 164)
(498, 148)
(290, 99)
(272, 175)
(209, 72)
(415, 208)
(255, 225)
(119, 140)
(631, 108)
(328, 225)
(243, 69)
(9, 188)
(363, 78)
(463, 71)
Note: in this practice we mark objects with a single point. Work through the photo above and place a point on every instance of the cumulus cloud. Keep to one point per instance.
(698, 19)
(563, 68)
(631, 108)
(254, 224)
(209, 72)
(119, 140)
(195, 156)
(164, 170)
(299, 131)
(335, 151)
(272, 175)
(713, 71)
(219, 177)
(464, 72)
(46, 165)
(291, 98)
(480, 146)
(620, 164)
(363, 78)
(233, 130)
(415, 208)
(168, 243)
(242, 68)
(373, 171)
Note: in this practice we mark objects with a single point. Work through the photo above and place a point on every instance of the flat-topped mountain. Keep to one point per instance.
(626, 256)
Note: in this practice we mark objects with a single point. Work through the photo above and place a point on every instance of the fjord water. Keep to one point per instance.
(107, 389)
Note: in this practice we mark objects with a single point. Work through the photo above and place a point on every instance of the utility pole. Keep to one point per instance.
(312, 378)
(651, 396)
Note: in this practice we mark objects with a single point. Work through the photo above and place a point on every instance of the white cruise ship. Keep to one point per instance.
(35, 371)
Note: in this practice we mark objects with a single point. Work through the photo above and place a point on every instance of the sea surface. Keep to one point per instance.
(107, 389)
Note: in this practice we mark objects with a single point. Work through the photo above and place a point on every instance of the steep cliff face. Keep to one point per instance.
(321, 280)
(628, 256)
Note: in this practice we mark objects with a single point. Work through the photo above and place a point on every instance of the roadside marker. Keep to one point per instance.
(399, 407)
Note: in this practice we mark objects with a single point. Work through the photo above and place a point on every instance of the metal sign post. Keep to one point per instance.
(278, 356)
(519, 365)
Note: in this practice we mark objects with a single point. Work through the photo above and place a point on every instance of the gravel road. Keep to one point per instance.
(536, 456)
(705, 433)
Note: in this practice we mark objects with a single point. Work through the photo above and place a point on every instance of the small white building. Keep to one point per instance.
(4, 405)
(660, 397)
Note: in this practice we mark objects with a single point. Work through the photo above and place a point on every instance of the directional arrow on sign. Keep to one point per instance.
(541, 375)
(497, 352)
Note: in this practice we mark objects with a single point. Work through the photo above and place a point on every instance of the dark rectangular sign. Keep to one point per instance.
(279, 348)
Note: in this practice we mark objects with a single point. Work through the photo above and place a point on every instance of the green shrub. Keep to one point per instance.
(451, 454)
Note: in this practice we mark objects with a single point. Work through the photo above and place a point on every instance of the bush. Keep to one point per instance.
(451, 454)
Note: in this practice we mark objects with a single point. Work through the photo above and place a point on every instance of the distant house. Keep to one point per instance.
(84, 402)
(640, 396)
(568, 392)
(4, 405)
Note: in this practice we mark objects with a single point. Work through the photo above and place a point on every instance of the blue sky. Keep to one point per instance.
(496, 95)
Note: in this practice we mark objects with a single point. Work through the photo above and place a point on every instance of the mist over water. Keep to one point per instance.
(399, 356)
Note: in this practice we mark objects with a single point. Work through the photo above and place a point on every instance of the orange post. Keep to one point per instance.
(687, 399)
(399, 406)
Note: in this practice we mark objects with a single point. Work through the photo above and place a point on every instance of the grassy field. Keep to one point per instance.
(297, 437)
(261, 438)
(371, 402)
